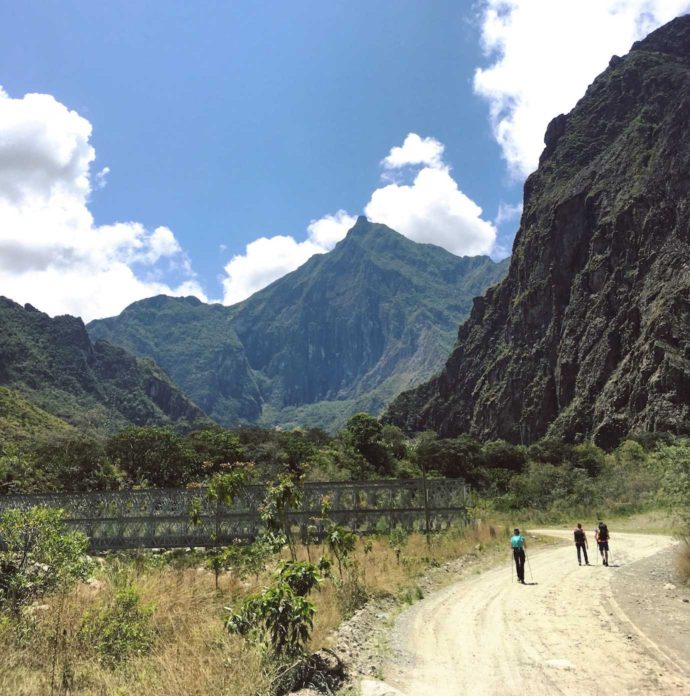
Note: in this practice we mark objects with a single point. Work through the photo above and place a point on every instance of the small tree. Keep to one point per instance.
(222, 490)
(40, 556)
(397, 540)
(281, 617)
(281, 497)
(213, 447)
(341, 543)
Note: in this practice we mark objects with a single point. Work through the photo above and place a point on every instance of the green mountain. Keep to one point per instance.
(345, 332)
(589, 334)
(56, 377)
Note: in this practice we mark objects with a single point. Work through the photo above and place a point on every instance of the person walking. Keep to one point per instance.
(517, 543)
(603, 537)
(580, 543)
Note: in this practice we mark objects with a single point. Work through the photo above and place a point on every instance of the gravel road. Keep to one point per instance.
(572, 630)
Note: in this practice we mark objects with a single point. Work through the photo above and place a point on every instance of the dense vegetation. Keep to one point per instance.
(548, 476)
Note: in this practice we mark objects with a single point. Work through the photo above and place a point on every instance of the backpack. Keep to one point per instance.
(603, 532)
(579, 535)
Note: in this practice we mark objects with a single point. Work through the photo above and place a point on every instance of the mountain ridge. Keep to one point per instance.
(52, 364)
(587, 335)
(345, 332)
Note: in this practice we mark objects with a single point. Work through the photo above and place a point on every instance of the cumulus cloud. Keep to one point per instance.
(268, 258)
(415, 151)
(543, 55)
(52, 254)
(330, 229)
(431, 209)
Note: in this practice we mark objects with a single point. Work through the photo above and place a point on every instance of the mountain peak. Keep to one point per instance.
(343, 333)
(672, 39)
(361, 227)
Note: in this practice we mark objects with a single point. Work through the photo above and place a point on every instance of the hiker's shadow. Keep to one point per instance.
(531, 583)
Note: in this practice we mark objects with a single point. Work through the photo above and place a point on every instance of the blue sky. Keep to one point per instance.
(223, 123)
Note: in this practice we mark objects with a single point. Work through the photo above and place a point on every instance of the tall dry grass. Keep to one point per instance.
(193, 654)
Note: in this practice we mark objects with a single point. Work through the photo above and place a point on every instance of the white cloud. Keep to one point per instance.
(268, 258)
(101, 178)
(415, 151)
(544, 55)
(330, 229)
(432, 209)
(265, 259)
(51, 252)
(507, 212)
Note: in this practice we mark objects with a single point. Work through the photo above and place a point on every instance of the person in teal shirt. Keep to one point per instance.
(517, 543)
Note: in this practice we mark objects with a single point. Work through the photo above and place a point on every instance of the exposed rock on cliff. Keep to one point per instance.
(589, 334)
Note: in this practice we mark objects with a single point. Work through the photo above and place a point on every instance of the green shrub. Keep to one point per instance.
(281, 617)
(40, 556)
(411, 595)
(121, 630)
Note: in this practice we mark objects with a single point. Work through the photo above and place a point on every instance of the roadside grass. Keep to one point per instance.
(192, 653)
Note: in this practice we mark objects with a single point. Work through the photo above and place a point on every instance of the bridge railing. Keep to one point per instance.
(160, 518)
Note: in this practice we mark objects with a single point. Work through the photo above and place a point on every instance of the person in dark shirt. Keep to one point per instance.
(603, 537)
(580, 543)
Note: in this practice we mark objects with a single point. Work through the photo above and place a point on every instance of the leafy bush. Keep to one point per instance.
(19, 472)
(673, 466)
(76, 462)
(281, 617)
(544, 485)
(40, 556)
(121, 630)
(458, 457)
(499, 454)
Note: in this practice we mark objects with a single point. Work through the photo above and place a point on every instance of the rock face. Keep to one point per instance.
(589, 334)
(96, 386)
(345, 332)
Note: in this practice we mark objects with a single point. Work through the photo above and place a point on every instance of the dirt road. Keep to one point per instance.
(563, 634)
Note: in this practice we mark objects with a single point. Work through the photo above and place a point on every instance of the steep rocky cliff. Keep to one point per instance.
(589, 334)
(53, 364)
(345, 332)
